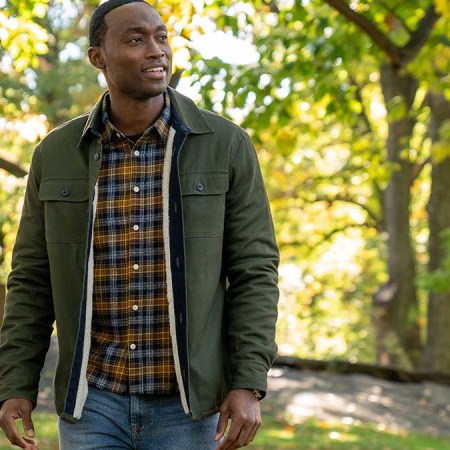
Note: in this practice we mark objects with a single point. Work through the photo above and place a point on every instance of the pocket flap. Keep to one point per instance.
(64, 190)
(203, 183)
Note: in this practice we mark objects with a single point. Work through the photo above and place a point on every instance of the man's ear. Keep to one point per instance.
(96, 57)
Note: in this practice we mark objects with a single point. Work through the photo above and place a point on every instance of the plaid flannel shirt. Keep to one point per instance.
(131, 350)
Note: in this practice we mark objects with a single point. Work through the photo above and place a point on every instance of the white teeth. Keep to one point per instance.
(155, 69)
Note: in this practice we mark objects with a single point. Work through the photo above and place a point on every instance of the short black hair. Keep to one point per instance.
(97, 25)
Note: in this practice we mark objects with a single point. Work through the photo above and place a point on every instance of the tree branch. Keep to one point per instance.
(273, 7)
(417, 168)
(391, 10)
(399, 56)
(347, 199)
(322, 237)
(378, 193)
(12, 168)
(370, 29)
(358, 96)
(420, 36)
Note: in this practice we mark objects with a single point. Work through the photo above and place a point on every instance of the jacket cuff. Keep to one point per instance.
(248, 378)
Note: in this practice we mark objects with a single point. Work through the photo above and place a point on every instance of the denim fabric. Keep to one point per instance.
(136, 422)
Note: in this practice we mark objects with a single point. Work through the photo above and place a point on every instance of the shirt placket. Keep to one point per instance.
(136, 229)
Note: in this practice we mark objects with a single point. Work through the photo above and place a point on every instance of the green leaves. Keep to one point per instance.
(438, 280)
(440, 150)
(313, 105)
(22, 38)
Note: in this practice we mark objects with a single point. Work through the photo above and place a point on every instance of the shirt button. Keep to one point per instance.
(199, 186)
(133, 346)
(135, 227)
(118, 135)
(135, 266)
(97, 156)
(136, 189)
(135, 307)
(136, 153)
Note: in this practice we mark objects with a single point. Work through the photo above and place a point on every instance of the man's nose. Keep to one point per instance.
(153, 50)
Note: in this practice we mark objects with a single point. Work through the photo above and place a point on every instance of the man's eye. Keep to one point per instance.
(135, 40)
(163, 37)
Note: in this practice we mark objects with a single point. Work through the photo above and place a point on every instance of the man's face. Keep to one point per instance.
(136, 57)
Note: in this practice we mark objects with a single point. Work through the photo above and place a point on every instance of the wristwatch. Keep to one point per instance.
(257, 394)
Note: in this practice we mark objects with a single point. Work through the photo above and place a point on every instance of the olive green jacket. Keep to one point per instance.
(221, 259)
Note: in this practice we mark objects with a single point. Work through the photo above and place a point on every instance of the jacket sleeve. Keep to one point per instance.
(251, 263)
(28, 320)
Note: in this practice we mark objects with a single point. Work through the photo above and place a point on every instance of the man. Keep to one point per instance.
(146, 234)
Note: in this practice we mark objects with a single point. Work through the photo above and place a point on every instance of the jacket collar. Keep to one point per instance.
(94, 121)
(186, 114)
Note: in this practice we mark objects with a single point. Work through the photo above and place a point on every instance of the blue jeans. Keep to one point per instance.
(136, 422)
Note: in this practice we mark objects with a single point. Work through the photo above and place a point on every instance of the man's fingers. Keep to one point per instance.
(234, 431)
(233, 442)
(12, 433)
(241, 407)
(28, 426)
(252, 433)
(222, 425)
(245, 436)
(12, 410)
(241, 438)
(235, 435)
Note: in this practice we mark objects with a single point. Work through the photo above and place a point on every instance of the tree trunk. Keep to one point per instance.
(2, 301)
(396, 304)
(2, 286)
(436, 356)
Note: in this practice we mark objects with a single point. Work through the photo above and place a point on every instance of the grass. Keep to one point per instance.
(315, 435)
(277, 435)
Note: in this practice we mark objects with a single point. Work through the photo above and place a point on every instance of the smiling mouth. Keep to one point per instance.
(155, 70)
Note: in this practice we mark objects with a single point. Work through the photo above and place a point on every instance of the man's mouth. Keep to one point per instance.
(158, 69)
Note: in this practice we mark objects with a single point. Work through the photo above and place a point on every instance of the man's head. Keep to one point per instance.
(97, 25)
(129, 44)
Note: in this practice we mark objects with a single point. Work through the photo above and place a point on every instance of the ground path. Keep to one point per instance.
(349, 398)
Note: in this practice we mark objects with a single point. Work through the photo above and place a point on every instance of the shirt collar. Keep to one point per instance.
(162, 124)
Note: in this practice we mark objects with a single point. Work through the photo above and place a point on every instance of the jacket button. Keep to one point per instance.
(65, 192)
(200, 186)
(97, 156)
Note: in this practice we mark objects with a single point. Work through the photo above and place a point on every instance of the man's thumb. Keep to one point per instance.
(28, 426)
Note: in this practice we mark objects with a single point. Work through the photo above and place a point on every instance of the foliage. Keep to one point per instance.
(439, 280)
(440, 151)
(44, 80)
(22, 37)
(313, 104)
(312, 101)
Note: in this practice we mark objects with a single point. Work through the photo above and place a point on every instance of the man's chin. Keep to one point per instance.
(149, 94)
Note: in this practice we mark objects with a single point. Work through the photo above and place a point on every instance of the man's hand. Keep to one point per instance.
(242, 408)
(13, 409)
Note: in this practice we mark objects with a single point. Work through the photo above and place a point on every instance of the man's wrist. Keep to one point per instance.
(257, 393)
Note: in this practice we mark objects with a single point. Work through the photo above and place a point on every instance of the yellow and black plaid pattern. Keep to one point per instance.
(131, 350)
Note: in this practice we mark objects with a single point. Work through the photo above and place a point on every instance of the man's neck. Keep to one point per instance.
(134, 117)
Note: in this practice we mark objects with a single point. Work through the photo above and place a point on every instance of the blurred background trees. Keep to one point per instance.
(348, 105)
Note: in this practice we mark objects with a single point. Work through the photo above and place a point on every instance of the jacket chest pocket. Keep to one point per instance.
(66, 209)
(203, 203)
